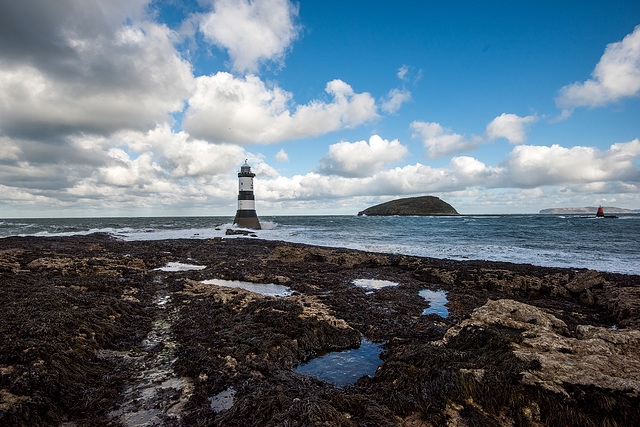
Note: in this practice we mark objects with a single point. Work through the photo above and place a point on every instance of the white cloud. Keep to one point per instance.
(282, 156)
(181, 156)
(225, 108)
(440, 141)
(531, 166)
(358, 159)
(616, 76)
(460, 174)
(100, 75)
(262, 169)
(510, 126)
(403, 72)
(253, 32)
(126, 172)
(394, 100)
(528, 168)
(396, 97)
(129, 169)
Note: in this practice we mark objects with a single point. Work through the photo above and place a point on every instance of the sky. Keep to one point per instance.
(150, 107)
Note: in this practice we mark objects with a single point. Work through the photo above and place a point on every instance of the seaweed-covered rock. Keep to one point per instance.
(94, 334)
(592, 356)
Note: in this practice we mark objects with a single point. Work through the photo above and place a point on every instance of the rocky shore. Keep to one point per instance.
(94, 333)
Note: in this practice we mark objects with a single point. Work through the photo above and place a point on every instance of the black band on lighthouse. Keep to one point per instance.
(250, 213)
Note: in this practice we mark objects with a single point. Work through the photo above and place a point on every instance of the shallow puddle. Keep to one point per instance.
(437, 301)
(344, 367)
(178, 266)
(373, 284)
(266, 289)
(223, 400)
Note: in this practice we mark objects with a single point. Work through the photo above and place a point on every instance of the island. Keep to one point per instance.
(412, 206)
(586, 210)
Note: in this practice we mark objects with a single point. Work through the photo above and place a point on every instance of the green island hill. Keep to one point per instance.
(411, 206)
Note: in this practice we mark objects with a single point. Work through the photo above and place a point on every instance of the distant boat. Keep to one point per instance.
(600, 214)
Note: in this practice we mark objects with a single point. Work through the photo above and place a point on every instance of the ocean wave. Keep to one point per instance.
(546, 240)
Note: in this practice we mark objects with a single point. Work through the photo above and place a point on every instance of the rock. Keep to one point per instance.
(588, 280)
(240, 232)
(78, 313)
(594, 356)
(347, 258)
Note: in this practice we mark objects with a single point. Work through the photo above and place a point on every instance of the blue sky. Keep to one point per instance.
(145, 108)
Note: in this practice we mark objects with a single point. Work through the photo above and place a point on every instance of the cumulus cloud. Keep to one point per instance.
(510, 126)
(83, 70)
(617, 75)
(357, 159)
(440, 141)
(181, 156)
(531, 166)
(129, 169)
(148, 170)
(44, 34)
(47, 165)
(126, 172)
(582, 169)
(253, 32)
(244, 110)
(408, 180)
(282, 156)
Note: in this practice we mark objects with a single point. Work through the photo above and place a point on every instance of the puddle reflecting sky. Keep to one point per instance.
(437, 300)
(223, 400)
(267, 289)
(373, 283)
(344, 367)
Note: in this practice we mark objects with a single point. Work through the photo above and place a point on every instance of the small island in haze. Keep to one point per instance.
(587, 210)
(411, 206)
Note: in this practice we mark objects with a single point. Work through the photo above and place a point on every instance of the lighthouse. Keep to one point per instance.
(246, 215)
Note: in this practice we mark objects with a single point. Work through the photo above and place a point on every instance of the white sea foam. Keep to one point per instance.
(547, 240)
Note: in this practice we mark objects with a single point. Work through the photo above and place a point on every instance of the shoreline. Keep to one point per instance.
(557, 242)
(98, 335)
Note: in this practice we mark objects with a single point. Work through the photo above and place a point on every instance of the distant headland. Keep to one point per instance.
(588, 210)
(412, 206)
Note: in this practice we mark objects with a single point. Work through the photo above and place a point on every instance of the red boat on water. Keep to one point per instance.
(600, 214)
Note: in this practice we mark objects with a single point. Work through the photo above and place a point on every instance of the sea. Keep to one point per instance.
(573, 241)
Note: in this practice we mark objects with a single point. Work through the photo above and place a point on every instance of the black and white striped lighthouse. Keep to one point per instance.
(246, 215)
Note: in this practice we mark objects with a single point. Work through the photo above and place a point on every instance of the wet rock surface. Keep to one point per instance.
(93, 334)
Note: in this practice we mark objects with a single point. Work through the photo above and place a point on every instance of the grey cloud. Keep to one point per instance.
(30, 31)
(72, 66)
(49, 177)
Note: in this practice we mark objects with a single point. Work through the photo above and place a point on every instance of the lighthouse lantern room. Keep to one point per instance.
(246, 214)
